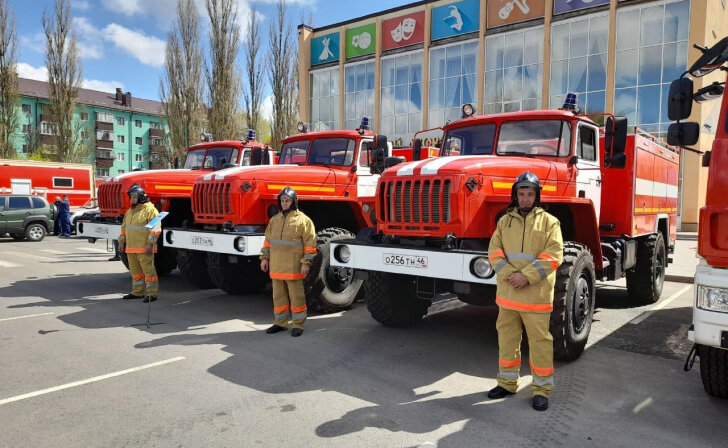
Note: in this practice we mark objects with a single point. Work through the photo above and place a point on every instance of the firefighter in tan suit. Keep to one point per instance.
(525, 251)
(288, 250)
(140, 244)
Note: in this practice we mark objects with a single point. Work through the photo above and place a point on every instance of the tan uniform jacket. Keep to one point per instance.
(532, 246)
(133, 231)
(290, 240)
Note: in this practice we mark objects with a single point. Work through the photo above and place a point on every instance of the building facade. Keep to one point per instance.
(412, 67)
(122, 133)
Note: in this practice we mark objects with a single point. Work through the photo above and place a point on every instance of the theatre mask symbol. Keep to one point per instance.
(404, 30)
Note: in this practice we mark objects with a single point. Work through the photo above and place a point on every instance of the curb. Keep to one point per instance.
(679, 278)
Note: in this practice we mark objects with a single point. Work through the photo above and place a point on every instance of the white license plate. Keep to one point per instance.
(408, 261)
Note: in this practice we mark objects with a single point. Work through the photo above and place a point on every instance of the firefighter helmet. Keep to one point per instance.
(137, 190)
(526, 180)
(291, 193)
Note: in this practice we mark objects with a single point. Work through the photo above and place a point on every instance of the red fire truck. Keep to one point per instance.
(709, 330)
(171, 190)
(615, 195)
(329, 171)
(49, 179)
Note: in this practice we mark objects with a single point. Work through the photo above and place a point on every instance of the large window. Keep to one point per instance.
(359, 97)
(325, 99)
(652, 51)
(452, 81)
(514, 71)
(579, 62)
(401, 106)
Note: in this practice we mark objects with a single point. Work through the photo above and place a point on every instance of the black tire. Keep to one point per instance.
(35, 232)
(193, 267)
(17, 236)
(646, 279)
(243, 277)
(574, 293)
(330, 288)
(392, 299)
(165, 260)
(714, 370)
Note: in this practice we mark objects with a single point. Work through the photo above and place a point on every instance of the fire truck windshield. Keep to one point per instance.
(211, 158)
(332, 151)
(294, 152)
(469, 140)
(535, 137)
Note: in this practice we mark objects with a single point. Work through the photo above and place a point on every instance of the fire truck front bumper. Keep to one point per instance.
(98, 230)
(456, 265)
(710, 310)
(231, 243)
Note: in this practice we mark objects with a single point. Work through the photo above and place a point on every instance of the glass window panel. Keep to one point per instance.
(494, 108)
(370, 104)
(469, 59)
(597, 72)
(559, 77)
(334, 82)
(361, 77)
(388, 101)
(512, 107)
(624, 103)
(454, 60)
(452, 92)
(452, 114)
(350, 73)
(532, 81)
(579, 40)
(663, 109)
(531, 104)
(533, 47)
(626, 69)
(468, 90)
(513, 50)
(677, 20)
(415, 122)
(650, 65)
(415, 97)
(560, 41)
(400, 124)
(370, 76)
(596, 102)
(361, 105)
(437, 63)
(598, 35)
(325, 109)
(402, 72)
(436, 118)
(674, 60)
(387, 127)
(350, 105)
(401, 100)
(648, 104)
(494, 86)
(651, 20)
(628, 30)
(416, 67)
(335, 110)
(494, 53)
(556, 101)
(314, 110)
(577, 75)
(387, 72)
(512, 83)
(437, 94)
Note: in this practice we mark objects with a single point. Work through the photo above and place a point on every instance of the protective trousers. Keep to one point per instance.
(289, 302)
(144, 278)
(510, 325)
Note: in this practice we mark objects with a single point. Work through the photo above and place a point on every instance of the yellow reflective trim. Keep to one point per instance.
(508, 185)
(298, 188)
(174, 187)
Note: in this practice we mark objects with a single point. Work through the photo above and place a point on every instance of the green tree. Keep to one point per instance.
(9, 98)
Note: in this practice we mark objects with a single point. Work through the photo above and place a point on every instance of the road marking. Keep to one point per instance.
(31, 256)
(23, 317)
(646, 402)
(659, 306)
(93, 249)
(53, 251)
(89, 380)
(7, 264)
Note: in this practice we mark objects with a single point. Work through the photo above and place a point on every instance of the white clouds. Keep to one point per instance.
(30, 72)
(148, 50)
(266, 108)
(90, 51)
(126, 7)
(103, 86)
(80, 5)
(35, 42)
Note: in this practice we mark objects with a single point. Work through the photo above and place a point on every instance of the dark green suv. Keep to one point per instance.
(25, 217)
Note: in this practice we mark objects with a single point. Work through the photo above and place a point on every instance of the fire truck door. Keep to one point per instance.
(3, 223)
(589, 176)
(366, 182)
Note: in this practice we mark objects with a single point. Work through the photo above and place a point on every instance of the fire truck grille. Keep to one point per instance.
(415, 201)
(110, 196)
(211, 200)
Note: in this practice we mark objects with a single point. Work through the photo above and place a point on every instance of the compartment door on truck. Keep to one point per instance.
(589, 177)
(20, 186)
(3, 220)
(366, 182)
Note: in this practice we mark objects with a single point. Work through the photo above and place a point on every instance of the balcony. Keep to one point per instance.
(47, 139)
(48, 117)
(103, 126)
(157, 149)
(106, 144)
(105, 159)
(156, 132)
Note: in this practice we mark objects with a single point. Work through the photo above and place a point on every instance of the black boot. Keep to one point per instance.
(132, 296)
(296, 332)
(115, 258)
(148, 299)
(540, 403)
(275, 329)
(498, 392)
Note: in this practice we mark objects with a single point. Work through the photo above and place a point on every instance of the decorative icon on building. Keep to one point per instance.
(326, 53)
(455, 14)
(506, 10)
(361, 41)
(404, 30)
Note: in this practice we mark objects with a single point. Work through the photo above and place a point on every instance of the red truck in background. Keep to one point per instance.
(48, 179)
(615, 196)
(171, 190)
(709, 329)
(329, 171)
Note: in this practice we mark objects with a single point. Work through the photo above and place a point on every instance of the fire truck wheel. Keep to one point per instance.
(645, 280)
(193, 267)
(243, 277)
(392, 299)
(714, 370)
(330, 288)
(165, 260)
(35, 232)
(574, 292)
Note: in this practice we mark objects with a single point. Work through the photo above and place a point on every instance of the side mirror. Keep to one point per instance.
(256, 155)
(711, 59)
(266, 156)
(706, 159)
(417, 149)
(680, 103)
(615, 140)
(574, 160)
(709, 93)
(379, 154)
(683, 134)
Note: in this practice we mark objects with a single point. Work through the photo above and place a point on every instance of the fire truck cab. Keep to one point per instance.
(615, 196)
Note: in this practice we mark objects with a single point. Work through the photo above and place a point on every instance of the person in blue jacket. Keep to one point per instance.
(64, 216)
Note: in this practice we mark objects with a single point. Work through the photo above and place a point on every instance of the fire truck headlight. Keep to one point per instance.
(480, 267)
(240, 244)
(713, 299)
(366, 208)
(342, 254)
(169, 237)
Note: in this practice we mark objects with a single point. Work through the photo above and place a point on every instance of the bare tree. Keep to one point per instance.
(181, 87)
(64, 81)
(223, 81)
(283, 75)
(9, 97)
(253, 90)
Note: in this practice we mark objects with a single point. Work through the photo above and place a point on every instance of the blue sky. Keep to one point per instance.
(122, 41)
